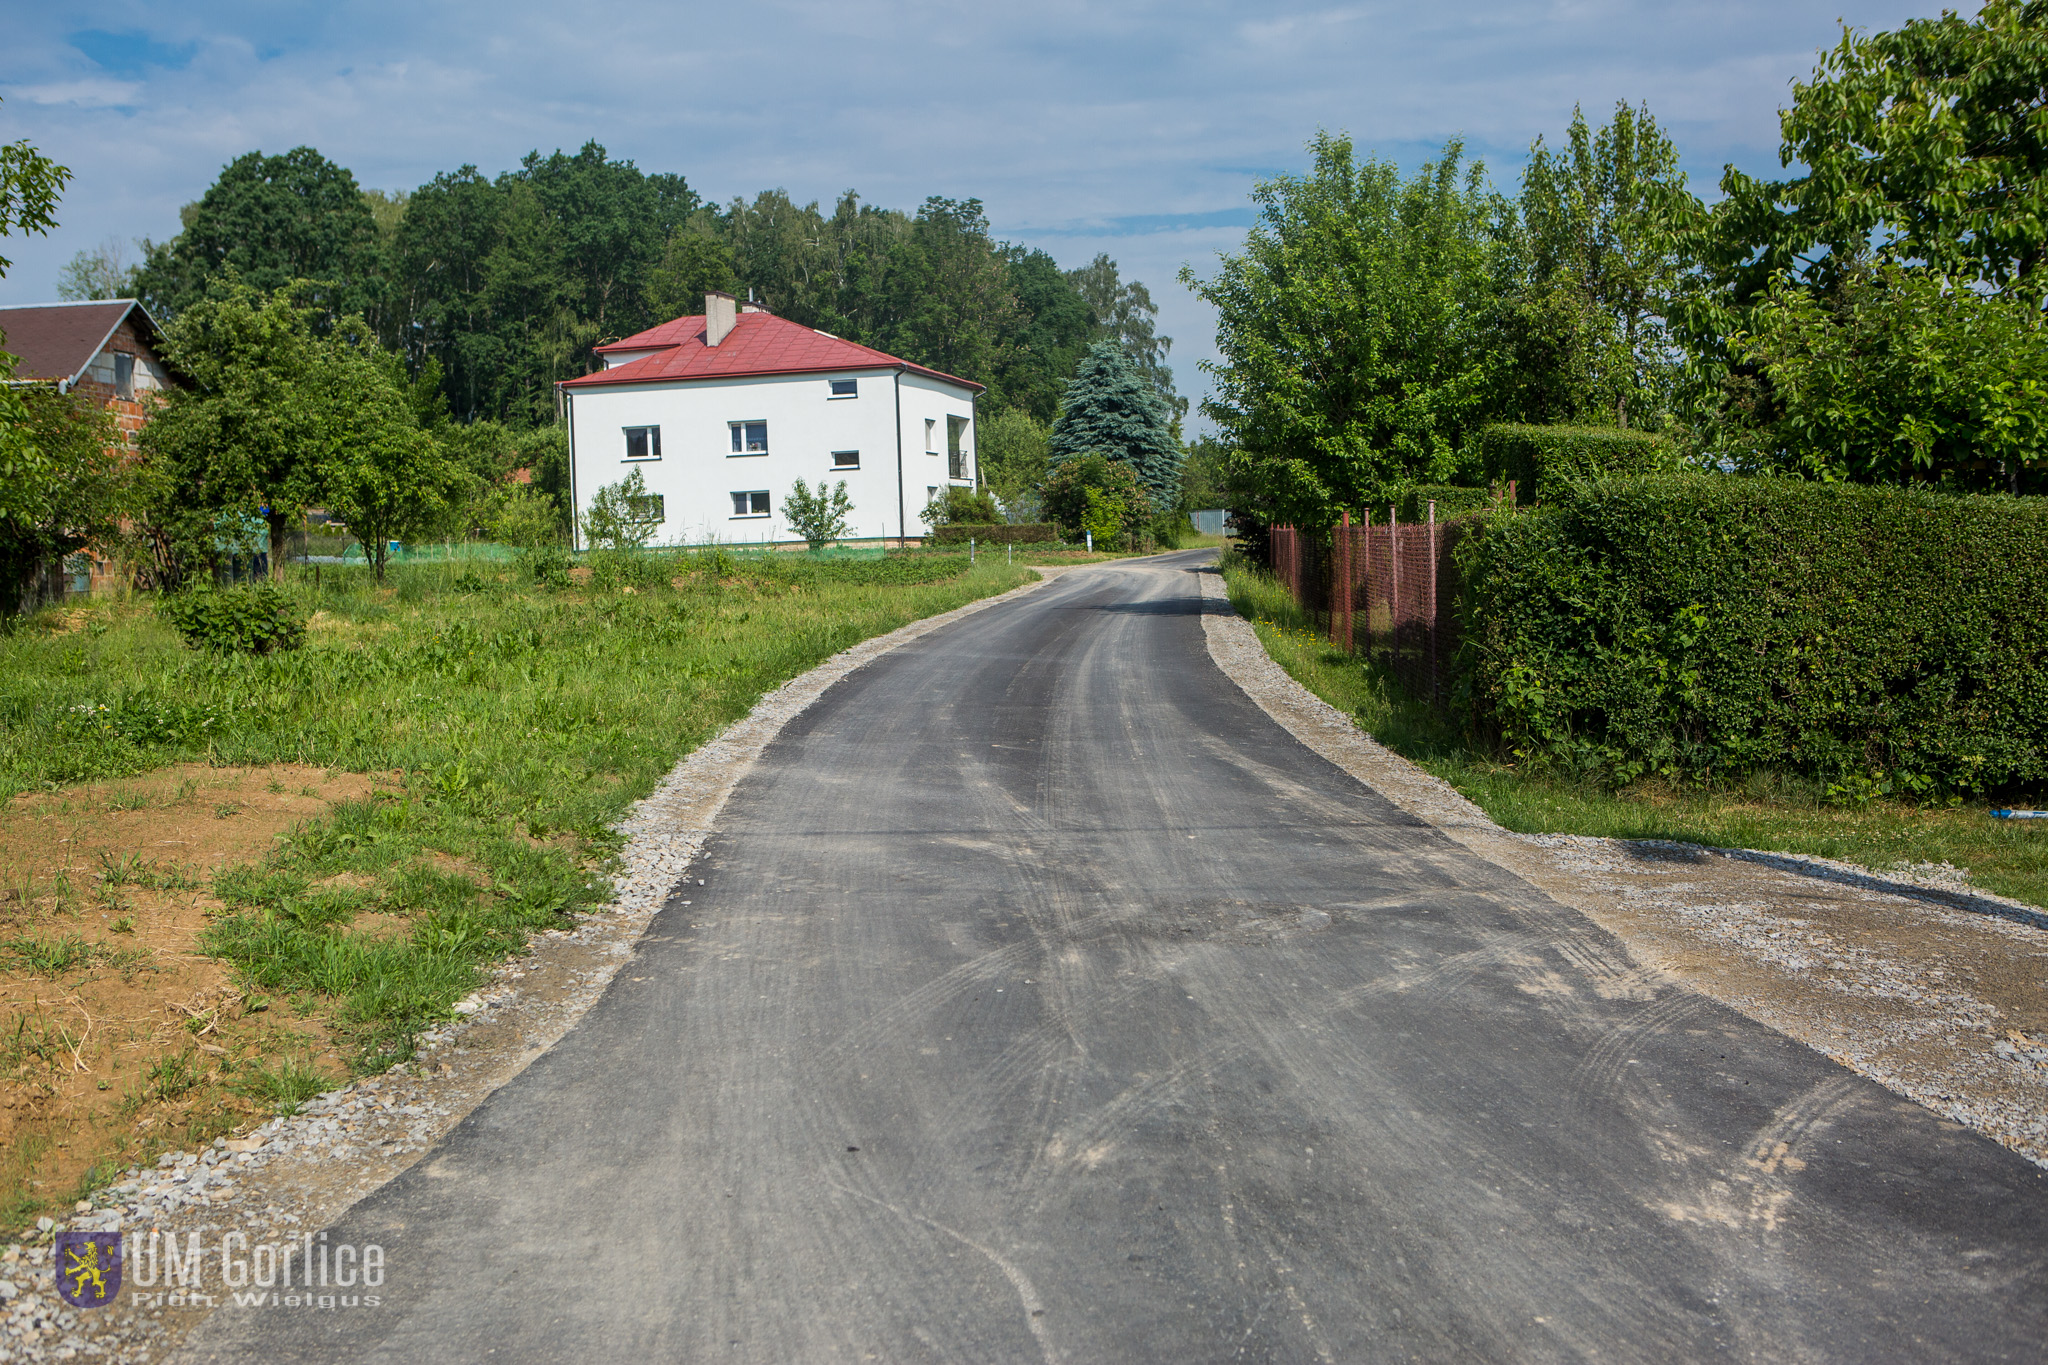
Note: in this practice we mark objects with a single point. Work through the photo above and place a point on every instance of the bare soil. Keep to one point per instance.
(117, 1039)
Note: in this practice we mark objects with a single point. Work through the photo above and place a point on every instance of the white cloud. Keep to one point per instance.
(81, 94)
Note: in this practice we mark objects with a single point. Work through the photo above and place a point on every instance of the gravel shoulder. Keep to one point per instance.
(298, 1173)
(1921, 982)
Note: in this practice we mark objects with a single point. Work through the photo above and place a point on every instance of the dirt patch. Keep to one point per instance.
(1913, 977)
(117, 1038)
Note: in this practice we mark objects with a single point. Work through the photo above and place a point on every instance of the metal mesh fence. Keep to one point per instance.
(1382, 589)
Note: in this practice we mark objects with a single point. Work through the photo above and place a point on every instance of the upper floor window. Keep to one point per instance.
(931, 435)
(749, 438)
(956, 447)
(846, 459)
(124, 374)
(846, 388)
(643, 443)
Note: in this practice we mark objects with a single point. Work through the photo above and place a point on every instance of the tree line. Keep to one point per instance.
(507, 282)
(1874, 315)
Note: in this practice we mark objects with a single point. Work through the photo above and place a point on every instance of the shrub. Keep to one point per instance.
(623, 515)
(1118, 502)
(1541, 460)
(251, 620)
(1028, 533)
(1411, 504)
(1706, 625)
(820, 517)
(957, 506)
(546, 568)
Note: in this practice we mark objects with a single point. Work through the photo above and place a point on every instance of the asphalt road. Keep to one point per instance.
(1044, 1000)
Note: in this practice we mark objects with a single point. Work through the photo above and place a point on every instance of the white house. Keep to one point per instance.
(722, 413)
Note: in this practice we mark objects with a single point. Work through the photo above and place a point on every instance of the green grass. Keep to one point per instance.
(514, 723)
(1772, 812)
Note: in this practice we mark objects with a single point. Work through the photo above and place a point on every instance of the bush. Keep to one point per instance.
(1028, 533)
(252, 620)
(957, 506)
(1541, 460)
(545, 568)
(623, 515)
(1703, 625)
(1167, 529)
(1095, 493)
(1412, 504)
(820, 517)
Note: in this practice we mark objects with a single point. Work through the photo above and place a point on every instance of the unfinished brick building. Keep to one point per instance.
(105, 348)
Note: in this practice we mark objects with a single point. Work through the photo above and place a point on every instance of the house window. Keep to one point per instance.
(754, 504)
(846, 388)
(124, 375)
(931, 436)
(749, 438)
(931, 492)
(643, 443)
(846, 459)
(649, 510)
(956, 454)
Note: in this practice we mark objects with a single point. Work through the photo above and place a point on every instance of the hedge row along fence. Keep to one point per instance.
(1541, 460)
(1703, 626)
(1024, 533)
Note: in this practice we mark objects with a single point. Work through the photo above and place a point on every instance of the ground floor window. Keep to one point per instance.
(750, 504)
(846, 459)
(649, 510)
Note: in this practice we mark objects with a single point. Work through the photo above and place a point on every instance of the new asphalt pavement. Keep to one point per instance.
(1043, 1000)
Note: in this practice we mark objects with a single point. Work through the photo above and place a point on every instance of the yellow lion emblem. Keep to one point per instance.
(85, 1269)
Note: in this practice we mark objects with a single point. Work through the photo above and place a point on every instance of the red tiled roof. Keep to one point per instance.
(759, 343)
(58, 340)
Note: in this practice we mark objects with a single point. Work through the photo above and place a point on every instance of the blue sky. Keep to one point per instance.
(1133, 128)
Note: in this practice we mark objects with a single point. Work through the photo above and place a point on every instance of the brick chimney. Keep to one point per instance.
(718, 317)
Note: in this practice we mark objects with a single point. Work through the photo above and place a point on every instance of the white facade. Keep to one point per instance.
(890, 441)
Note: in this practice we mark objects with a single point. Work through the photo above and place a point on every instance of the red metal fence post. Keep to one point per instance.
(1394, 589)
(1435, 687)
(1340, 585)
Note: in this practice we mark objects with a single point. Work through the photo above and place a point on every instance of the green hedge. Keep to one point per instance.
(1542, 460)
(1027, 533)
(1704, 625)
(1412, 504)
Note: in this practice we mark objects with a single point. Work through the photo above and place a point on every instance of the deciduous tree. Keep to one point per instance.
(1353, 328)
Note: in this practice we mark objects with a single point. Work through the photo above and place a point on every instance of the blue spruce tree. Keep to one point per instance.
(1112, 409)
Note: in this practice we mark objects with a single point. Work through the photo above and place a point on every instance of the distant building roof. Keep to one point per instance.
(759, 344)
(58, 340)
